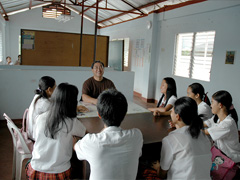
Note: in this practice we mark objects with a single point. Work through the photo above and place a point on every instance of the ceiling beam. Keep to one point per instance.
(4, 12)
(141, 7)
(90, 7)
(121, 22)
(109, 9)
(133, 6)
(30, 4)
(78, 12)
(171, 7)
(82, 3)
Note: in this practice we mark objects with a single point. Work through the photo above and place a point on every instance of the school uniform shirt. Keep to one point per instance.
(171, 101)
(225, 135)
(53, 155)
(185, 157)
(112, 154)
(42, 105)
(204, 110)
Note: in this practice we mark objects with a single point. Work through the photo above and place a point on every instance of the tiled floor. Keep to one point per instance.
(6, 146)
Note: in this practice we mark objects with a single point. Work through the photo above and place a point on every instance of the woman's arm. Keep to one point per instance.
(161, 109)
(206, 132)
(158, 113)
(160, 173)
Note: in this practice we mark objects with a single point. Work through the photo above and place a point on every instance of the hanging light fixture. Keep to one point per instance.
(56, 11)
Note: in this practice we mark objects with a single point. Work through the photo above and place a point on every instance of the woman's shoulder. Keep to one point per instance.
(177, 133)
(228, 120)
(173, 97)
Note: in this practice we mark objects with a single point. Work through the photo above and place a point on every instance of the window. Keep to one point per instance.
(193, 55)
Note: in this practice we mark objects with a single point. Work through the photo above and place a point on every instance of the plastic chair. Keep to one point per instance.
(17, 156)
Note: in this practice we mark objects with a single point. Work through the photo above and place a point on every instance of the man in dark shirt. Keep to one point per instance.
(93, 86)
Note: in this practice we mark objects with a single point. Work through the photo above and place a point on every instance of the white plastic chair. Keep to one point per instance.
(17, 157)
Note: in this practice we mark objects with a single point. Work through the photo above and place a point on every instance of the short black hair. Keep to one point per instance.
(112, 107)
(97, 62)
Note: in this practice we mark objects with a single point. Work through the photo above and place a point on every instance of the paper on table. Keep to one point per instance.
(132, 109)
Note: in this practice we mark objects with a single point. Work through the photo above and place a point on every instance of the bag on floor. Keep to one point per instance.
(23, 131)
(223, 168)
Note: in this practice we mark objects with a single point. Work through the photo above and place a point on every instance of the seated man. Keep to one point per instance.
(93, 86)
(113, 153)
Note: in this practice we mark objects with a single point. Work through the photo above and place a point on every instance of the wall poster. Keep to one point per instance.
(28, 39)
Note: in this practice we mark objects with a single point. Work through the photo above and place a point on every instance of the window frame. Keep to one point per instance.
(179, 58)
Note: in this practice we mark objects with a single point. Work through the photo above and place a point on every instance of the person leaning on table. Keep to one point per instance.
(93, 86)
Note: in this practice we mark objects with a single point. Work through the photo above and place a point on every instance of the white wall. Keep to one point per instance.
(18, 85)
(33, 20)
(136, 30)
(220, 16)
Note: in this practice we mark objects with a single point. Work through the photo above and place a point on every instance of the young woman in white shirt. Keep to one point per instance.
(224, 131)
(185, 151)
(169, 96)
(54, 136)
(196, 92)
(40, 102)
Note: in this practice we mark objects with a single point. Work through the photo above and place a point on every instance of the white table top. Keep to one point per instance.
(132, 109)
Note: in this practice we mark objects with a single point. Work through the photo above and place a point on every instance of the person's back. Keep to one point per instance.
(40, 102)
(185, 152)
(112, 153)
(192, 157)
(54, 136)
(53, 155)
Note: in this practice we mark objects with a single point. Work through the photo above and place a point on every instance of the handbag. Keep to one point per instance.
(223, 168)
(23, 131)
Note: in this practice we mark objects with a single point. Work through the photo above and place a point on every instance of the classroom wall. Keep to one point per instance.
(140, 50)
(33, 20)
(19, 82)
(221, 16)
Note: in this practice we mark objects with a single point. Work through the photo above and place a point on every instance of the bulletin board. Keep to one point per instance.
(46, 48)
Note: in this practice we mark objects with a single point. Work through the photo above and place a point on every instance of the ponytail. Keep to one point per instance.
(195, 127)
(41, 93)
(188, 111)
(206, 99)
(234, 115)
(44, 83)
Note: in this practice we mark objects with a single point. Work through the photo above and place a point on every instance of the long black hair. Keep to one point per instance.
(63, 105)
(171, 90)
(225, 99)
(44, 83)
(197, 88)
(187, 109)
